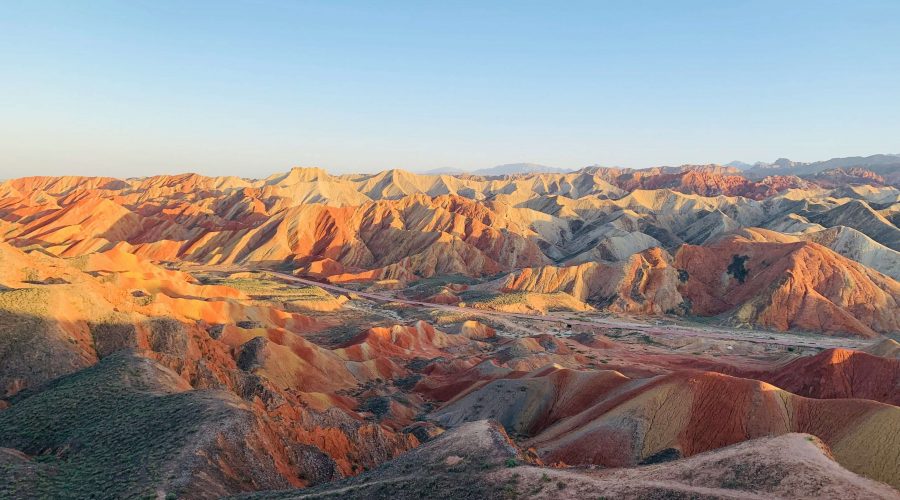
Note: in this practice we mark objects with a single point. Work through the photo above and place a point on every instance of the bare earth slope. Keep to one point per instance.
(473, 461)
(788, 285)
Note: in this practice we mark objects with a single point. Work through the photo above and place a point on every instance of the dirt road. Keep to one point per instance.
(717, 333)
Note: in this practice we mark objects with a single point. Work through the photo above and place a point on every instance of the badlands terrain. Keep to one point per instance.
(701, 331)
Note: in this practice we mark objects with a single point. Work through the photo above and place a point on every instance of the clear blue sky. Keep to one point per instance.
(251, 87)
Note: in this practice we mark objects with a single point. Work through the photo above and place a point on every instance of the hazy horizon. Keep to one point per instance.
(246, 87)
(265, 172)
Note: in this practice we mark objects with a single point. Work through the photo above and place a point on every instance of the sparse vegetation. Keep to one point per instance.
(426, 287)
(262, 287)
(100, 432)
(737, 269)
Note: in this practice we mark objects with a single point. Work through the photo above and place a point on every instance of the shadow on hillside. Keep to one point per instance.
(36, 348)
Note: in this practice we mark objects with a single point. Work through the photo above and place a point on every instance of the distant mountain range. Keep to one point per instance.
(505, 169)
(880, 163)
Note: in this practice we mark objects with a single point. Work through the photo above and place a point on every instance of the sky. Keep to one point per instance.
(254, 87)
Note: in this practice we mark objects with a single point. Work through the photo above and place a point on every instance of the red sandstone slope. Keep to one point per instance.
(841, 373)
(418, 340)
(688, 413)
(706, 180)
(605, 418)
(785, 286)
(388, 239)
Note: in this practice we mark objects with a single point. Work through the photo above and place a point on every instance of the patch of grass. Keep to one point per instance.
(25, 300)
(79, 262)
(262, 288)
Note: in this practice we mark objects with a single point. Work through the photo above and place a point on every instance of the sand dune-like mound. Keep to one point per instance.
(477, 330)
(287, 360)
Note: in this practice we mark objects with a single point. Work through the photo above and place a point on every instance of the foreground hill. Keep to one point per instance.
(477, 460)
(621, 422)
(130, 427)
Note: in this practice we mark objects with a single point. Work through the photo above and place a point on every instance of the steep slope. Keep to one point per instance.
(529, 404)
(857, 246)
(708, 227)
(390, 239)
(841, 373)
(787, 285)
(887, 348)
(843, 240)
(644, 283)
(92, 222)
(860, 216)
(56, 320)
